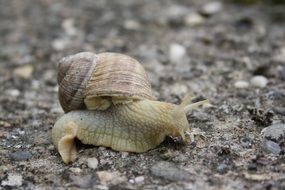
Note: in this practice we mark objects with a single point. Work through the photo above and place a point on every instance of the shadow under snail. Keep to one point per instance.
(108, 101)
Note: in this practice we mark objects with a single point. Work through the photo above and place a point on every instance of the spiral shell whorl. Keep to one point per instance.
(90, 81)
(120, 76)
(74, 73)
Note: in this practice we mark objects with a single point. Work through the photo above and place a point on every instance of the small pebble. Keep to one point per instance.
(56, 109)
(176, 52)
(175, 12)
(113, 178)
(2, 133)
(270, 147)
(276, 95)
(132, 25)
(24, 71)
(69, 28)
(92, 163)
(125, 154)
(75, 170)
(167, 155)
(180, 158)
(279, 110)
(13, 92)
(241, 84)
(177, 89)
(252, 167)
(20, 156)
(60, 44)
(246, 142)
(259, 81)
(139, 179)
(14, 180)
(212, 8)
(169, 171)
(5, 124)
(222, 168)
(49, 77)
(275, 132)
(282, 71)
(194, 19)
(85, 181)
(35, 84)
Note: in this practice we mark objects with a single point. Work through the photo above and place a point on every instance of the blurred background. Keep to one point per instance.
(35, 34)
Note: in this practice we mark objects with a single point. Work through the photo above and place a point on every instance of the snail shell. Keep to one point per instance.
(95, 81)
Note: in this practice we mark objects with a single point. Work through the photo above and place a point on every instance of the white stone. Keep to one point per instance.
(60, 44)
(139, 179)
(92, 163)
(241, 84)
(75, 170)
(24, 71)
(69, 28)
(259, 81)
(194, 19)
(35, 84)
(13, 180)
(13, 92)
(176, 52)
(125, 154)
(132, 25)
(114, 178)
(212, 8)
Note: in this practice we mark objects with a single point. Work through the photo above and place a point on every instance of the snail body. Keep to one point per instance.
(135, 127)
(118, 112)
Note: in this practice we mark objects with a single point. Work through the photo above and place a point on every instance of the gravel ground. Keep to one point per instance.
(232, 55)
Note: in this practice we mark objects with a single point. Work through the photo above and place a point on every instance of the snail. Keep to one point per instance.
(108, 101)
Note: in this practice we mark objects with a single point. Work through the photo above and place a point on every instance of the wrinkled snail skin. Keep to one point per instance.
(136, 127)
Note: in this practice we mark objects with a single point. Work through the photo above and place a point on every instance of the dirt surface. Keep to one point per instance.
(186, 48)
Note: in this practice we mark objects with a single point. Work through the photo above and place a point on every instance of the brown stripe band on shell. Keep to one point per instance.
(73, 81)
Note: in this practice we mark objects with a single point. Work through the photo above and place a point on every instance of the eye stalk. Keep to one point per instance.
(180, 113)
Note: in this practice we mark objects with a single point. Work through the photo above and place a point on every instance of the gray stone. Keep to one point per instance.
(212, 8)
(20, 156)
(270, 147)
(275, 132)
(180, 158)
(222, 168)
(132, 25)
(92, 163)
(86, 181)
(139, 179)
(24, 71)
(176, 52)
(241, 84)
(14, 180)
(114, 178)
(13, 92)
(276, 95)
(282, 72)
(279, 110)
(194, 19)
(169, 171)
(246, 142)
